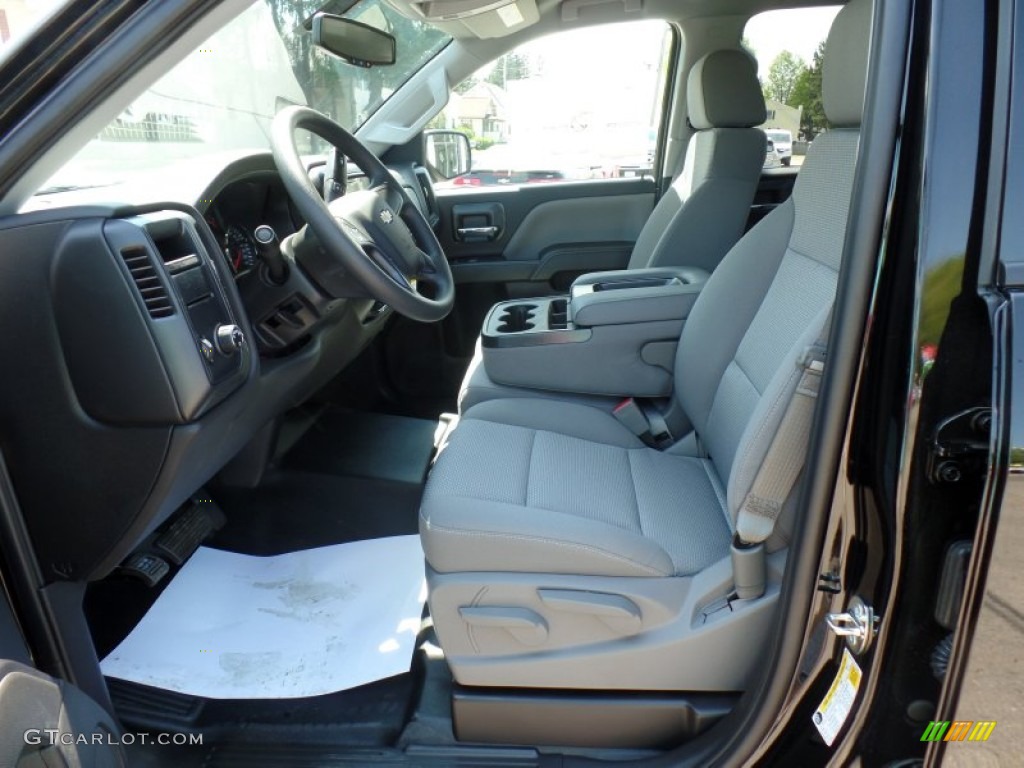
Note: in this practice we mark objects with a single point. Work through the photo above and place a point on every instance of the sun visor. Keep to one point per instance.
(477, 18)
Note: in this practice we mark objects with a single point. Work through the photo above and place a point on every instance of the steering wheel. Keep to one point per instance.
(378, 235)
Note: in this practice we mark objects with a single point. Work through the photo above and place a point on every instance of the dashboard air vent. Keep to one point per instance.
(150, 286)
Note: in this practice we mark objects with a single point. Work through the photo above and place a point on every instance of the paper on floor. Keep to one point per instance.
(233, 626)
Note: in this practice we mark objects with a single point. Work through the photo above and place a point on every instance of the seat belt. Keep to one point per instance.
(646, 423)
(777, 475)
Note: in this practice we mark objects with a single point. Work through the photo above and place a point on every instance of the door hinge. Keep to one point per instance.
(858, 625)
(960, 446)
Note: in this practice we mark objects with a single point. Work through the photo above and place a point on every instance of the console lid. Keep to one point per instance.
(635, 296)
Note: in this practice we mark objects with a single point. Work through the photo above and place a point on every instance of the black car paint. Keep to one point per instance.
(985, 677)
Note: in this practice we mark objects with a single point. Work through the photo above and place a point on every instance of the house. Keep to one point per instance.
(782, 116)
(483, 109)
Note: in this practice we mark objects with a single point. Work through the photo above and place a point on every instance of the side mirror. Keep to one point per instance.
(447, 154)
(357, 43)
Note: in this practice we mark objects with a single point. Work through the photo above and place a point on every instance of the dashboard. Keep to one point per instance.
(161, 353)
(241, 207)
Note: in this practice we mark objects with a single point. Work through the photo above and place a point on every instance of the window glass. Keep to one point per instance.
(584, 104)
(788, 45)
(222, 98)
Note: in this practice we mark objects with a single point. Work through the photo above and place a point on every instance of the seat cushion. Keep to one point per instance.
(533, 485)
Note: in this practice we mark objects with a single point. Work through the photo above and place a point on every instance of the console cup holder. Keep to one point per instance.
(558, 314)
(518, 317)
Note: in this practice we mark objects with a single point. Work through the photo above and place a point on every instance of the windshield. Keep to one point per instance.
(782, 136)
(222, 98)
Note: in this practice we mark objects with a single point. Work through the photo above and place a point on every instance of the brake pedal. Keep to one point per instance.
(190, 529)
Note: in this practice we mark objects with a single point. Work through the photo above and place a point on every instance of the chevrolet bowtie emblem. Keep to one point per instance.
(386, 216)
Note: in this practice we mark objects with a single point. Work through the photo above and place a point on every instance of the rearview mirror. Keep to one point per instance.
(356, 43)
(447, 154)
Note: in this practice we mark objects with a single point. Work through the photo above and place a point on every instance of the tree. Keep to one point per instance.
(511, 66)
(782, 77)
(347, 93)
(311, 70)
(807, 94)
(1016, 456)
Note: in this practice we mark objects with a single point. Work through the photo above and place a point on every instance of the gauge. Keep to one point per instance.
(240, 249)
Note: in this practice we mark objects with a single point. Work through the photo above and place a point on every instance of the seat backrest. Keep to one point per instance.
(703, 213)
(736, 367)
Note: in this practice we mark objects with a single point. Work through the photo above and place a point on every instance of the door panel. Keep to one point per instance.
(545, 232)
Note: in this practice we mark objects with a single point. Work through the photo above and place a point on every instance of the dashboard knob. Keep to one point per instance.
(229, 338)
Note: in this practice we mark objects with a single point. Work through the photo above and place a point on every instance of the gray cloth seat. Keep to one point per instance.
(702, 215)
(565, 488)
(562, 552)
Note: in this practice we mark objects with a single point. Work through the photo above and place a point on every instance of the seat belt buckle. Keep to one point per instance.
(632, 416)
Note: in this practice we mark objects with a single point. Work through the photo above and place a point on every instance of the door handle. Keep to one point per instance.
(477, 233)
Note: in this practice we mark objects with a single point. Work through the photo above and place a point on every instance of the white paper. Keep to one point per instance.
(306, 623)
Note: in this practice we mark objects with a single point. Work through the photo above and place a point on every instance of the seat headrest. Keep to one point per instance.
(844, 70)
(723, 92)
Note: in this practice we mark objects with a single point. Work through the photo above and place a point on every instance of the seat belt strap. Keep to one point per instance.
(777, 475)
(785, 458)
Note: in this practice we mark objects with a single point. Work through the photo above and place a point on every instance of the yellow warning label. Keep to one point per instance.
(838, 702)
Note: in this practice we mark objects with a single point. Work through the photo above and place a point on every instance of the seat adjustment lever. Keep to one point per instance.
(618, 612)
(526, 626)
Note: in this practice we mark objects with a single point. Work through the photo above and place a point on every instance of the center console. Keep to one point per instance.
(614, 334)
